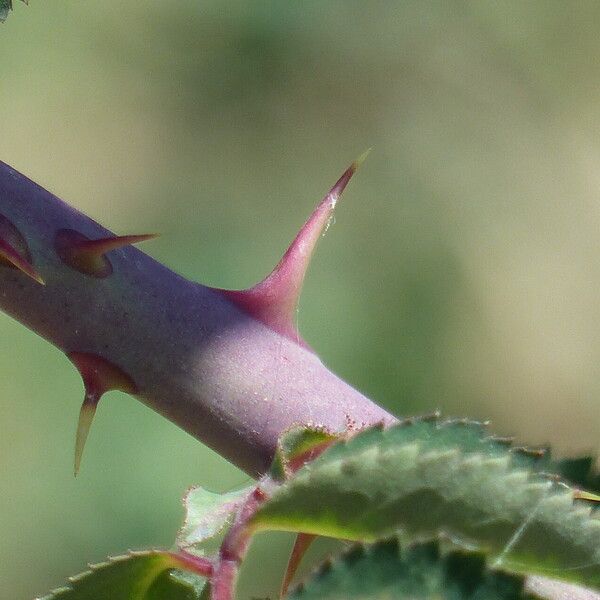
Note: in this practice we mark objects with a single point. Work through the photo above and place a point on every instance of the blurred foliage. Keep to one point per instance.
(462, 273)
(384, 571)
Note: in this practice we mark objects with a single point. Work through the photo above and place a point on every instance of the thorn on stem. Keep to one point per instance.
(89, 256)
(99, 376)
(14, 251)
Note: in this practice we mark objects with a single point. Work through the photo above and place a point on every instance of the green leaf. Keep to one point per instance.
(206, 592)
(5, 7)
(190, 580)
(136, 576)
(207, 514)
(423, 476)
(422, 572)
(169, 587)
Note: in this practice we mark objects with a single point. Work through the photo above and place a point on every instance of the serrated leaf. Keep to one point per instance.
(426, 476)
(136, 576)
(207, 514)
(422, 572)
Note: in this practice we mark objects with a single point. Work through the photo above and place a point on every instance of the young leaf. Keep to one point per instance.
(296, 446)
(422, 572)
(207, 514)
(136, 576)
(425, 476)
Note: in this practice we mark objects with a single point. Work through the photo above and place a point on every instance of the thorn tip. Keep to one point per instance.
(361, 159)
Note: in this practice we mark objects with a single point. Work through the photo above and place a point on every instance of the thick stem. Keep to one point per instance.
(193, 355)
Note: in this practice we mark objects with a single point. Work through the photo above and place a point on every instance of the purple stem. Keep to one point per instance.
(194, 356)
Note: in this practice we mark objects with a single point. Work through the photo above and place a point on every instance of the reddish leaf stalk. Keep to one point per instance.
(233, 549)
(197, 564)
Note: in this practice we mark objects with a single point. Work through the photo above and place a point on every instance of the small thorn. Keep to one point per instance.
(301, 545)
(14, 251)
(104, 245)
(274, 300)
(89, 256)
(99, 376)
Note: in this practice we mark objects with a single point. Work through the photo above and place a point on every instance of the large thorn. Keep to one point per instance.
(89, 256)
(274, 300)
(99, 376)
(14, 251)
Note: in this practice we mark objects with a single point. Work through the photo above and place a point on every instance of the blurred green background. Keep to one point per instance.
(462, 273)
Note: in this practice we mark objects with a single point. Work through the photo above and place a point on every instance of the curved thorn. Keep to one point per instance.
(273, 301)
